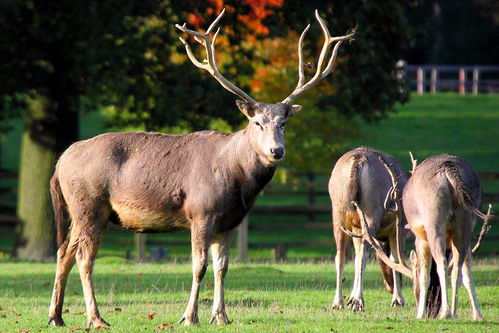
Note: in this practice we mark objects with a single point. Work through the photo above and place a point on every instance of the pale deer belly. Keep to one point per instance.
(137, 218)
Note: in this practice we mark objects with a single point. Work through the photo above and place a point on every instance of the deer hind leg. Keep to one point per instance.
(88, 224)
(200, 239)
(437, 243)
(425, 261)
(65, 261)
(397, 297)
(341, 240)
(220, 254)
(469, 285)
(356, 299)
(460, 247)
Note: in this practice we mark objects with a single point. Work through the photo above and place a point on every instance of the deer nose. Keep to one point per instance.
(277, 153)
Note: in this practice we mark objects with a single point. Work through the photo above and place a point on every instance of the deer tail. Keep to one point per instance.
(58, 204)
(461, 192)
(354, 186)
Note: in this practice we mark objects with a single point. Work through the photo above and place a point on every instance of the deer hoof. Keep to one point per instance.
(338, 305)
(219, 318)
(355, 304)
(445, 315)
(398, 302)
(98, 323)
(56, 321)
(189, 320)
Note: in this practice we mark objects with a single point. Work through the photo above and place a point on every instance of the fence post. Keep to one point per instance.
(476, 75)
(462, 81)
(242, 240)
(311, 193)
(140, 247)
(420, 80)
(433, 80)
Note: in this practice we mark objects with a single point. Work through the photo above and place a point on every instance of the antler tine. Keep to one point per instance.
(413, 162)
(320, 73)
(211, 64)
(400, 267)
(392, 192)
(485, 229)
(301, 77)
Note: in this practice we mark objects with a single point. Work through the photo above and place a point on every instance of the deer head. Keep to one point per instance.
(266, 121)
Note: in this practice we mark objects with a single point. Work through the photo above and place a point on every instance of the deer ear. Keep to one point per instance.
(292, 110)
(245, 108)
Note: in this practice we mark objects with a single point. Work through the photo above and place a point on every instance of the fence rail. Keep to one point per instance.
(463, 79)
(309, 188)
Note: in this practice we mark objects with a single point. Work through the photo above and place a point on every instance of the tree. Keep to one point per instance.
(455, 32)
(63, 57)
(60, 58)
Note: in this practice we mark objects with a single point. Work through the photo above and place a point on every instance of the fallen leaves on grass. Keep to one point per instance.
(165, 326)
(151, 316)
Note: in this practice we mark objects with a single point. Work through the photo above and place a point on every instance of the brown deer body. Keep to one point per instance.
(204, 182)
(359, 176)
(441, 201)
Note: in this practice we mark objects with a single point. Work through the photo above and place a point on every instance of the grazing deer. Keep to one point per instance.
(204, 182)
(359, 176)
(441, 201)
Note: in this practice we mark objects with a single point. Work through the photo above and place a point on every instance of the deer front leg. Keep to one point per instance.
(200, 235)
(397, 298)
(220, 254)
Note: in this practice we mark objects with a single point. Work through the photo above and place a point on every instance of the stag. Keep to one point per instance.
(359, 176)
(441, 202)
(204, 182)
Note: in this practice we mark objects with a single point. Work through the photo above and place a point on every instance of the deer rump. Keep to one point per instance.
(366, 180)
(461, 186)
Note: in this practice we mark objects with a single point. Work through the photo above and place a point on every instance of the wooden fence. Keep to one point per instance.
(462, 79)
(310, 188)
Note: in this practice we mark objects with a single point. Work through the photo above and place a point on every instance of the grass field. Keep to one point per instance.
(259, 298)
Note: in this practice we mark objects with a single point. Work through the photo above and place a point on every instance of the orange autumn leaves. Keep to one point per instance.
(253, 19)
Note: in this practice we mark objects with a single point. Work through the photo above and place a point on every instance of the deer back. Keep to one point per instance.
(440, 187)
(360, 176)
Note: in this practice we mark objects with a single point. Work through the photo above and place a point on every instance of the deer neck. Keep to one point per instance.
(244, 161)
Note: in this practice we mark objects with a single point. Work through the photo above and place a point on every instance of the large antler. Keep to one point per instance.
(400, 267)
(210, 64)
(393, 195)
(320, 73)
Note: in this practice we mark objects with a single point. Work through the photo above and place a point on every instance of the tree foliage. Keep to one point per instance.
(455, 32)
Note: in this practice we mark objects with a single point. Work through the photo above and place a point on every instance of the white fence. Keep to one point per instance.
(441, 78)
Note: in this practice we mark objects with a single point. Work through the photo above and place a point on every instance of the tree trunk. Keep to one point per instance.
(48, 128)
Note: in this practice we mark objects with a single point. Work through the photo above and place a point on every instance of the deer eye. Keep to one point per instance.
(258, 124)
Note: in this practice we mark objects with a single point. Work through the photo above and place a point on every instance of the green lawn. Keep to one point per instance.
(260, 298)
(467, 126)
